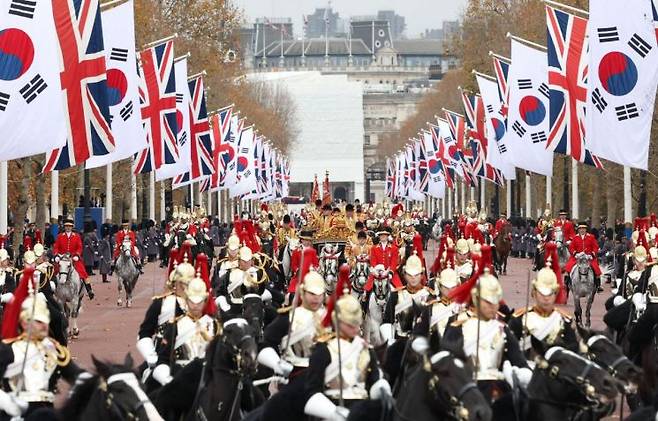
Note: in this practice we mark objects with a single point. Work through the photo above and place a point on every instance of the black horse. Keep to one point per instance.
(441, 387)
(219, 387)
(114, 394)
(567, 386)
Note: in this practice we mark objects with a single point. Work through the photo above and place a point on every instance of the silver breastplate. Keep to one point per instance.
(302, 336)
(487, 353)
(40, 364)
(355, 359)
(192, 338)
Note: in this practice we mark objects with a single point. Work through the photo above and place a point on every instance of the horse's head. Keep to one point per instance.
(610, 356)
(126, 247)
(575, 375)
(65, 265)
(239, 349)
(452, 390)
(253, 312)
(558, 235)
(123, 397)
(381, 283)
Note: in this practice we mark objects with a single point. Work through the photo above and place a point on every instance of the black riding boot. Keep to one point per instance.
(90, 292)
(138, 265)
(597, 284)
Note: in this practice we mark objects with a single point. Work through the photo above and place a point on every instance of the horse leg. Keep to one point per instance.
(588, 310)
(119, 288)
(577, 310)
(505, 264)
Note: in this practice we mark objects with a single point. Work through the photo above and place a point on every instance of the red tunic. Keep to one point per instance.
(121, 235)
(384, 256)
(71, 244)
(586, 244)
(295, 263)
(568, 231)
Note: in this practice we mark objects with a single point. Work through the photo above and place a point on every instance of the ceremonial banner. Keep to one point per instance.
(461, 152)
(623, 62)
(229, 177)
(223, 151)
(83, 81)
(158, 96)
(122, 84)
(436, 181)
(527, 121)
(245, 180)
(31, 99)
(501, 69)
(183, 161)
(567, 82)
(441, 160)
(495, 126)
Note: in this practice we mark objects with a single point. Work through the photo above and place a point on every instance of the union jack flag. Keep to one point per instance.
(157, 92)
(567, 84)
(390, 179)
(462, 152)
(423, 175)
(442, 155)
(474, 107)
(202, 142)
(84, 82)
(654, 10)
(204, 185)
(223, 151)
(501, 68)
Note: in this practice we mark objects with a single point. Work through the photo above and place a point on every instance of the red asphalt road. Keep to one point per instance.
(109, 332)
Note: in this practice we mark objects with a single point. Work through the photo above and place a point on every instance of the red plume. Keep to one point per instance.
(462, 293)
(652, 218)
(310, 259)
(185, 251)
(642, 241)
(202, 270)
(342, 287)
(418, 246)
(551, 250)
(450, 258)
(173, 260)
(264, 207)
(13, 308)
(447, 230)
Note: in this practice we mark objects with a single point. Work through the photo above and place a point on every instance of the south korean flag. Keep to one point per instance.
(623, 69)
(32, 118)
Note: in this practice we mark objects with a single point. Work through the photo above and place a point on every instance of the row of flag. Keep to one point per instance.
(72, 85)
(588, 94)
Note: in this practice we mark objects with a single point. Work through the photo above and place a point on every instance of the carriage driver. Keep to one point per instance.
(584, 242)
(358, 367)
(71, 243)
(126, 234)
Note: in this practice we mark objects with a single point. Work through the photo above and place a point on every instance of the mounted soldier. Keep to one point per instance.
(31, 236)
(127, 235)
(463, 262)
(386, 255)
(228, 261)
(283, 234)
(584, 242)
(69, 242)
(309, 261)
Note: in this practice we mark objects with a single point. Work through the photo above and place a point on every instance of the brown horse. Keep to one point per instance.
(503, 245)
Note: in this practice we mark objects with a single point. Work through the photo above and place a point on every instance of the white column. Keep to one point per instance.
(508, 197)
(108, 191)
(463, 203)
(152, 195)
(219, 205)
(133, 196)
(54, 194)
(483, 194)
(163, 207)
(549, 191)
(528, 205)
(450, 212)
(628, 199)
(443, 207)
(191, 187)
(455, 208)
(472, 195)
(3, 197)
(574, 189)
(209, 209)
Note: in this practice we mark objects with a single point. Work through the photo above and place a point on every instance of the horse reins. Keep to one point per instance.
(612, 367)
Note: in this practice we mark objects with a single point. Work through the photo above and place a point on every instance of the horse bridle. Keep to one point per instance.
(113, 406)
(612, 367)
(454, 402)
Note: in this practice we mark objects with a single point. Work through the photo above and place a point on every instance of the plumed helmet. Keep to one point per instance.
(29, 257)
(246, 254)
(35, 307)
(38, 250)
(546, 282)
(489, 289)
(196, 291)
(233, 243)
(4, 255)
(448, 278)
(349, 310)
(639, 254)
(652, 233)
(183, 272)
(413, 266)
(462, 246)
(314, 283)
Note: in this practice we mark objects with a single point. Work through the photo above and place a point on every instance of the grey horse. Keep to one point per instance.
(582, 286)
(69, 292)
(127, 273)
(329, 266)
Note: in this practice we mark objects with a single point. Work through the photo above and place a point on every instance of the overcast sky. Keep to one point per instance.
(419, 14)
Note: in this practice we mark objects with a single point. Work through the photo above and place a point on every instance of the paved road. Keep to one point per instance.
(109, 332)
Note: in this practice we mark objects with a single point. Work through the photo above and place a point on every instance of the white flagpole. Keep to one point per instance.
(508, 197)
(449, 213)
(191, 196)
(483, 194)
(443, 207)
(219, 205)
(549, 190)
(472, 194)
(54, 195)
(3, 197)
(628, 204)
(574, 189)
(463, 192)
(152, 195)
(133, 196)
(528, 204)
(209, 209)
(108, 191)
(163, 208)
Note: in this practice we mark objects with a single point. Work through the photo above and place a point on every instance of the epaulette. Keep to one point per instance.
(14, 339)
(564, 313)
(520, 312)
(326, 337)
(157, 297)
(458, 322)
(284, 310)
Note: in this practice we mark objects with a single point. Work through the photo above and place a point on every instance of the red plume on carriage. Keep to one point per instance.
(310, 259)
(203, 272)
(13, 308)
(342, 287)
(551, 251)
(462, 294)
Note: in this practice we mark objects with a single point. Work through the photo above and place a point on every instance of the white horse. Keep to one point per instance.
(381, 290)
(328, 261)
(359, 275)
(562, 248)
(293, 244)
(127, 273)
(582, 285)
(69, 292)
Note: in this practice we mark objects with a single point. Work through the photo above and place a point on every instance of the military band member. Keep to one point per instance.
(495, 354)
(186, 337)
(463, 263)
(544, 321)
(361, 376)
(32, 385)
(164, 308)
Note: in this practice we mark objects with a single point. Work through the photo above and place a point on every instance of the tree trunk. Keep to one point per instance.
(23, 202)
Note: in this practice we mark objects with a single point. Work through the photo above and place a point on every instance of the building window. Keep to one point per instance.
(366, 140)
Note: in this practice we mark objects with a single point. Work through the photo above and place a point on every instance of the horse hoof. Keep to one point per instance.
(75, 333)
(119, 303)
(129, 303)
